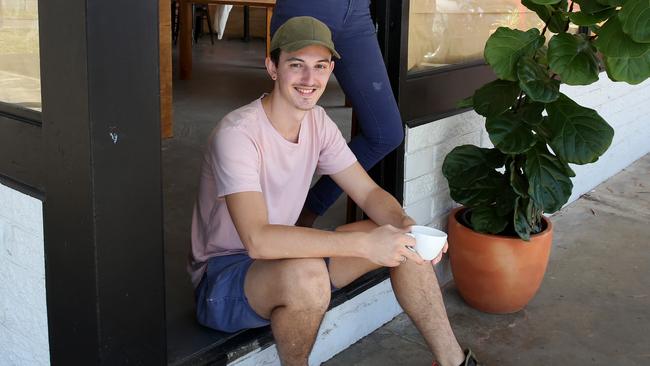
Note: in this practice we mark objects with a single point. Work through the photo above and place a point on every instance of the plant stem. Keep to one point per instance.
(566, 27)
(521, 97)
(546, 24)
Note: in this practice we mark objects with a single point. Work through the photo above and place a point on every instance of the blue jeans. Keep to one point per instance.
(362, 75)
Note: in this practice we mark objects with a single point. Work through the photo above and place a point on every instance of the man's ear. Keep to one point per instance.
(271, 69)
(332, 65)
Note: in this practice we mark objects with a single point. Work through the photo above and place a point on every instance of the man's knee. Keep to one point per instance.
(393, 139)
(387, 139)
(425, 270)
(306, 284)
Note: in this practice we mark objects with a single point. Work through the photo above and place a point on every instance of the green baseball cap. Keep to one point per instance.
(300, 32)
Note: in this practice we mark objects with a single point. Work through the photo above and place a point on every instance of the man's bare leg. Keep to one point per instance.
(417, 291)
(294, 294)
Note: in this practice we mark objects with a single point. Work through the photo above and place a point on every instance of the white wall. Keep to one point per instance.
(23, 311)
(426, 194)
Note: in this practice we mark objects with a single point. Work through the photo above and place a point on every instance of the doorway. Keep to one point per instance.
(226, 75)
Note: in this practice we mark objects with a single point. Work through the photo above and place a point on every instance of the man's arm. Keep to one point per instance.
(267, 241)
(379, 205)
(384, 245)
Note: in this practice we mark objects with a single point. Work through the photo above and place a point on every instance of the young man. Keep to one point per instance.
(250, 265)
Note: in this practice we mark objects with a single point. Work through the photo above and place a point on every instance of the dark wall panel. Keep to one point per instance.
(21, 152)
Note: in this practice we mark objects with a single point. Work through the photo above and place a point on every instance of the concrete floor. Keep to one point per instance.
(593, 307)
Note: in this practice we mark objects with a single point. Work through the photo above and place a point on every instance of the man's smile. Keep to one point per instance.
(305, 91)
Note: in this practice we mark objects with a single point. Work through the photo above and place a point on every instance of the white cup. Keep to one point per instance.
(428, 241)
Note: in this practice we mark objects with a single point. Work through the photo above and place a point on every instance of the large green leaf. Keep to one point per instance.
(541, 56)
(531, 113)
(635, 17)
(495, 97)
(554, 15)
(573, 58)
(527, 218)
(548, 184)
(632, 70)
(466, 164)
(613, 42)
(592, 6)
(578, 134)
(568, 170)
(521, 223)
(535, 81)
(485, 219)
(585, 19)
(611, 2)
(509, 133)
(542, 130)
(518, 181)
(505, 201)
(505, 46)
(483, 191)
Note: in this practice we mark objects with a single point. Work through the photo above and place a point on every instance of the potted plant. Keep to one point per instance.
(500, 241)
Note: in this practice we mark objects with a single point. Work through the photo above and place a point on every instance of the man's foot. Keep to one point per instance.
(306, 218)
(470, 359)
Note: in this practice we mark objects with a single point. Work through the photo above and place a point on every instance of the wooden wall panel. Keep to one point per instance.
(166, 125)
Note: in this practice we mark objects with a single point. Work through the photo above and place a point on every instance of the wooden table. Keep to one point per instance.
(185, 35)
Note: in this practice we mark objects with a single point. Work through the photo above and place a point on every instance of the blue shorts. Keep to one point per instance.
(221, 303)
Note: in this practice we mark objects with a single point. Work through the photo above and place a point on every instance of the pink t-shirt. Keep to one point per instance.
(245, 153)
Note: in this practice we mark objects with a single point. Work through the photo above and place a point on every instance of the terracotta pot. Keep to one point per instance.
(497, 274)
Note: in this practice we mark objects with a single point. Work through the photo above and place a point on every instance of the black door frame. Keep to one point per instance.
(430, 95)
(93, 157)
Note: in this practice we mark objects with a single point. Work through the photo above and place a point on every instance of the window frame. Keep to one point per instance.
(22, 114)
(444, 85)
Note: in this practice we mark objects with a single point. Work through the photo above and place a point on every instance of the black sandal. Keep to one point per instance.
(470, 359)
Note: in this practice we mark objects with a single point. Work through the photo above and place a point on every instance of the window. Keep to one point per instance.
(444, 32)
(20, 81)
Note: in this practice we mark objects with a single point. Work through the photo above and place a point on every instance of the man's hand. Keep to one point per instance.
(407, 222)
(386, 246)
(437, 259)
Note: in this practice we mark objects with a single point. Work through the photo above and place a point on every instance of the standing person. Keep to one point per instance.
(249, 264)
(362, 75)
